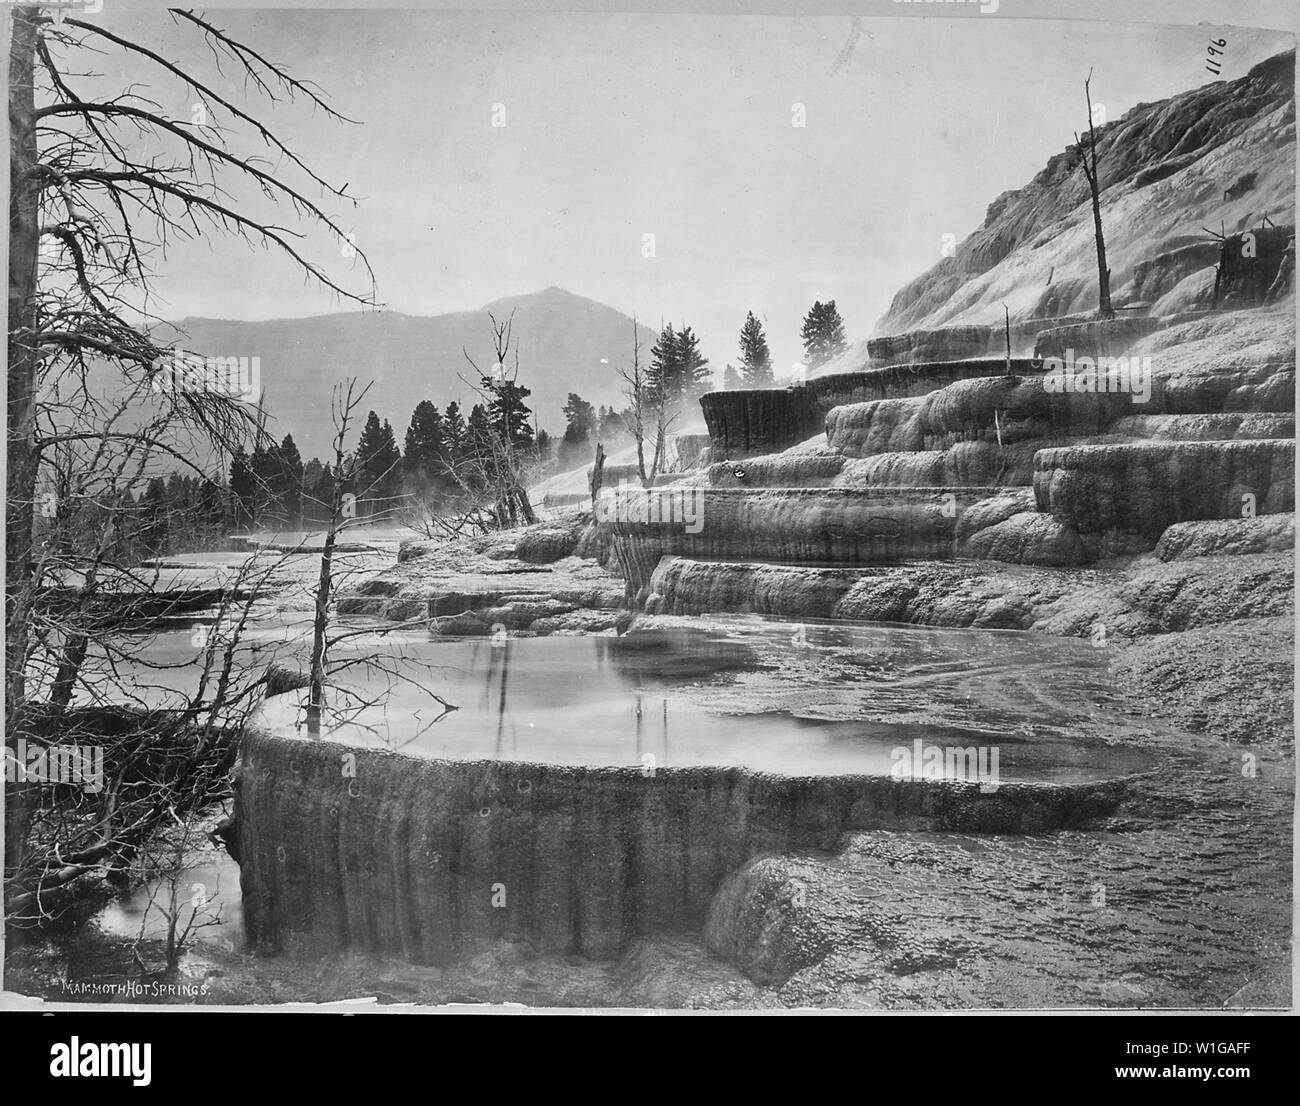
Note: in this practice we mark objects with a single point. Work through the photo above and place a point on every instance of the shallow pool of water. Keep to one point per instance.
(771, 696)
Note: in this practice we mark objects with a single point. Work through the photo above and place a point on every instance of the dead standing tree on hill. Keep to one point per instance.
(99, 186)
(1104, 309)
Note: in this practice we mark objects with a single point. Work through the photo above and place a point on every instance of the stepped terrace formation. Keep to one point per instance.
(957, 495)
(1117, 497)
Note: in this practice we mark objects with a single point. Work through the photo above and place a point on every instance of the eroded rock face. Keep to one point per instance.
(759, 421)
(967, 464)
(1120, 498)
(1218, 426)
(1028, 538)
(681, 586)
(1262, 534)
(880, 426)
(946, 344)
(1095, 337)
(1179, 595)
(781, 470)
(433, 860)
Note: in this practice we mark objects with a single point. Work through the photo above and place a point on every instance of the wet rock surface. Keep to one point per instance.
(1266, 534)
(529, 581)
(1121, 498)
(344, 848)
(1177, 902)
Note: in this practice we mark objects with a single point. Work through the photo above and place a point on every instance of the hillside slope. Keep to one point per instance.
(1164, 170)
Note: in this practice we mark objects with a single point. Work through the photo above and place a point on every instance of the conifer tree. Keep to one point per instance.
(378, 464)
(755, 357)
(822, 334)
(693, 366)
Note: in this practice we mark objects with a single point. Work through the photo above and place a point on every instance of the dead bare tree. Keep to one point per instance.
(342, 511)
(99, 187)
(343, 403)
(183, 911)
(157, 749)
(648, 407)
(500, 461)
(80, 187)
(597, 476)
(1104, 309)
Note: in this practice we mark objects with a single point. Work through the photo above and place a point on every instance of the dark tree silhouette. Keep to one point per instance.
(822, 334)
(755, 357)
(98, 188)
(1104, 308)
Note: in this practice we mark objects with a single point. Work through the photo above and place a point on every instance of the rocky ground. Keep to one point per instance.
(1182, 898)
(527, 582)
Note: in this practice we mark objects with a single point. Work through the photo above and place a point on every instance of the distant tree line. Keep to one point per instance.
(445, 453)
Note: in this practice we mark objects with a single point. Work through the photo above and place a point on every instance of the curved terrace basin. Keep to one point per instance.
(587, 792)
(671, 696)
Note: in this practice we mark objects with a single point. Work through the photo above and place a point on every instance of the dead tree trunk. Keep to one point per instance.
(525, 507)
(344, 403)
(1104, 309)
(24, 241)
(597, 474)
(1007, 312)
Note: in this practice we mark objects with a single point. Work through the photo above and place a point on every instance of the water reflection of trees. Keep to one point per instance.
(670, 655)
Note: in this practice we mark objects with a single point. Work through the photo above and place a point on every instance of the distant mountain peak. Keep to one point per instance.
(552, 293)
(568, 343)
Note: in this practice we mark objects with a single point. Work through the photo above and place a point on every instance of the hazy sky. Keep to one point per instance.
(680, 126)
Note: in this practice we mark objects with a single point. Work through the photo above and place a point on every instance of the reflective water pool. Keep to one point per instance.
(772, 696)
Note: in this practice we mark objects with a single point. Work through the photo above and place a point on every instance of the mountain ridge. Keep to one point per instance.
(566, 343)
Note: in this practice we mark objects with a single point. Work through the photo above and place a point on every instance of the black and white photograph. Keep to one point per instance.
(761, 510)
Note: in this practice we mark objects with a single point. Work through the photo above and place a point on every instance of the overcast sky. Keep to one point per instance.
(619, 126)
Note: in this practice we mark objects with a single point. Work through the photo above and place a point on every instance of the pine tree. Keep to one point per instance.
(264, 465)
(378, 464)
(663, 373)
(580, 420)
(678, 371)
(153, 532)
(478, 432)
(507, 413)
(208, 505)
(694, 371)
(243, 491)
(311, 473)
(545, 446)
(731, 379)
(822, 334)
(755, 357)
(425, 451)
(287, 481)
(610, 423)
(453, 430)
(322, 494)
